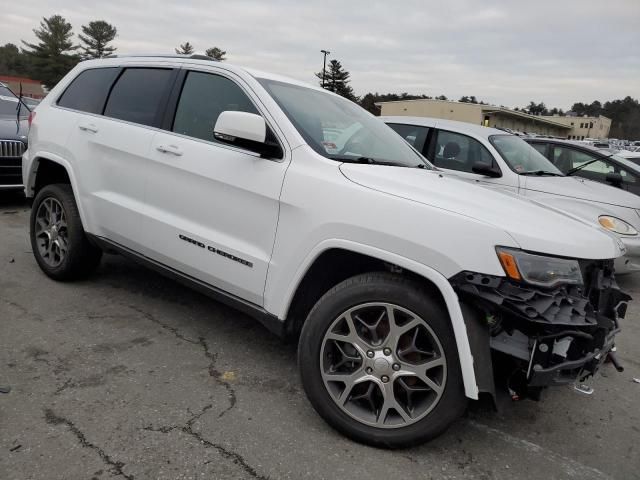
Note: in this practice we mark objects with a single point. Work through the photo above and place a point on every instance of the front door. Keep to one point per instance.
(213, 208)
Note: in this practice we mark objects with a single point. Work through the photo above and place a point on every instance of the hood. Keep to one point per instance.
(532, 226)
(11, 129)
(582, 189)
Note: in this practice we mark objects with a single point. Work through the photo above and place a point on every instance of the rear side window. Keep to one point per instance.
(89, 90)
(138, 95)
(204, 97)
(414, 134)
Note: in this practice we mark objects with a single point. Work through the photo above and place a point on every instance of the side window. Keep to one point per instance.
(89, 90)
(540, 147)
(459, 152)
(138, 95)
(567, 158)
(414, 134)
(204, 97)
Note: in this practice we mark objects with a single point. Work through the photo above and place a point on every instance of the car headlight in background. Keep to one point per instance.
(616, 225)
(539, 269)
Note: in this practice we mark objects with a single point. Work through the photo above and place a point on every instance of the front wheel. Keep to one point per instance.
(379, 362)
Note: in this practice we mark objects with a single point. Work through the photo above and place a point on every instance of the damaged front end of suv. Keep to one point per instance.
(550, 321)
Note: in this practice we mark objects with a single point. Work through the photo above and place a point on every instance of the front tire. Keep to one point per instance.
(58, 240)
(379, 362)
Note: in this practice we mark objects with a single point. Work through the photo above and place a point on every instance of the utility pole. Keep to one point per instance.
(324, 65)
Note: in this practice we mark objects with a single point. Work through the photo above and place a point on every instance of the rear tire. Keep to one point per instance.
(379, 362)
(58, 240)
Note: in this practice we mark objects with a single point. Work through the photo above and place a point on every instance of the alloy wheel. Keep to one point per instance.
(51, 232)
(383, 365)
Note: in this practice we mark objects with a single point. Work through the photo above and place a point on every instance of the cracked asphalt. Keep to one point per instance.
(131, 375)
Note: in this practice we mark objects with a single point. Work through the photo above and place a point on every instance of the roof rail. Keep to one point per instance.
(192, 56)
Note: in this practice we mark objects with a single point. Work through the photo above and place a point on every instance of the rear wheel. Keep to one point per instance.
(58, 240)
(379, 362)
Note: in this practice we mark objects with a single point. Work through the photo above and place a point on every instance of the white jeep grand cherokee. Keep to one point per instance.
(404, 285)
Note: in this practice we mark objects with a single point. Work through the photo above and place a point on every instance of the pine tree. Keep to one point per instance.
(54, 55)
(185, 49)
(96, 38)
(336, 79)
(217, 53)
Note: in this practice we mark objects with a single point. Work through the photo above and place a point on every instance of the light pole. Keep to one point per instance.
(324, 65)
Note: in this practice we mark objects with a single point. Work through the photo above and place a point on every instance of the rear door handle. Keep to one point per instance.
(172, 149)
(88, 128)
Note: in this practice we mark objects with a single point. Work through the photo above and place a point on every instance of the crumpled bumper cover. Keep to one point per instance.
(560, 335)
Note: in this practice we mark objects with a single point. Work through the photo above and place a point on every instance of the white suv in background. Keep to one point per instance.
(496, 159)
(397, 280)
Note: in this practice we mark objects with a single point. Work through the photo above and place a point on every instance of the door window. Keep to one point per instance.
(204, 97)
(416, 135)
(138, 95)
(540, 147)
(88, 91)
(459, 152)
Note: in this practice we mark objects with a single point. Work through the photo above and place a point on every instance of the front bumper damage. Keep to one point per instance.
(541, 337)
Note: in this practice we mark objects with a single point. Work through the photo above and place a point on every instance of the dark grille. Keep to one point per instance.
(11, 162)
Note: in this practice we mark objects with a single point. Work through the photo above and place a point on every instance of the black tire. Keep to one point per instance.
(405, 293)
(81, 257)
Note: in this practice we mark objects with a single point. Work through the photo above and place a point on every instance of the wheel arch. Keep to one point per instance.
(41, 166)
(366, 259)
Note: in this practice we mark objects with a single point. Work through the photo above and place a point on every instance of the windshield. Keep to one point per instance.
(339, 129)
(521, 157)
(9, 104)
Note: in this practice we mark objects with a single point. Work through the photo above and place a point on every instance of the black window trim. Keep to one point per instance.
(434, 141)
(166, 124)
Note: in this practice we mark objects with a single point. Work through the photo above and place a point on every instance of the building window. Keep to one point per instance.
(582, 137)
(591, 125)
(582, 125)
(572, 124)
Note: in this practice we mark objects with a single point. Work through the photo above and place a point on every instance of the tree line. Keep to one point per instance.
(55, 52)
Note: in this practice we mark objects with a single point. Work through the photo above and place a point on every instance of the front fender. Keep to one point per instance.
(278, 298)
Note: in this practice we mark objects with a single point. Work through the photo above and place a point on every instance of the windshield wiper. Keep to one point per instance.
(580, 167)
(370, 161)
(541, 173)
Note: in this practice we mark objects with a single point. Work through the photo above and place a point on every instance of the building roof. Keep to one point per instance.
(490, 109)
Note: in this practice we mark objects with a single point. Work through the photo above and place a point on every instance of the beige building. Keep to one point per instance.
(584, 127)
(488, 115)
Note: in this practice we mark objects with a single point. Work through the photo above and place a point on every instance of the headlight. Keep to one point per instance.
(616, 225)
(538, 269)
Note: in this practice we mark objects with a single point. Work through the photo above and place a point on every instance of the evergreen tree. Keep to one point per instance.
(97, 36)
(217, 53)
(54, 55)
(185, 49)
(14, 62)
(336, 79)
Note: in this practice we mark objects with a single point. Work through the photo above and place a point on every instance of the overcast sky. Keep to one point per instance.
(504, 52)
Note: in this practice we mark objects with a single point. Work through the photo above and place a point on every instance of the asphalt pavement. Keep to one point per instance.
(130, 375)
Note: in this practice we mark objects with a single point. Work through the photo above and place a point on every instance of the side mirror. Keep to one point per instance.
(484, 168)
(246, 130)
(614, 179)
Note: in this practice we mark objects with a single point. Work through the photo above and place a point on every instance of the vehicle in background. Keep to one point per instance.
(397, 281)
(14, 116)
(604, 165)
(495, 159)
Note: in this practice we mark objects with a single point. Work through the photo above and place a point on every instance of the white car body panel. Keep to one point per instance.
(281, 215)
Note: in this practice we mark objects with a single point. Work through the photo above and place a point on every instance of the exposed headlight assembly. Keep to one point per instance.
(539, 269)
(616, 225)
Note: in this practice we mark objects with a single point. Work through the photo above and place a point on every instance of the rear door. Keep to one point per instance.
(111, 142)
(213, 207)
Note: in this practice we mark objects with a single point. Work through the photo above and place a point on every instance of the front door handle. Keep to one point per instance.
(88, 128)
(172, 149)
